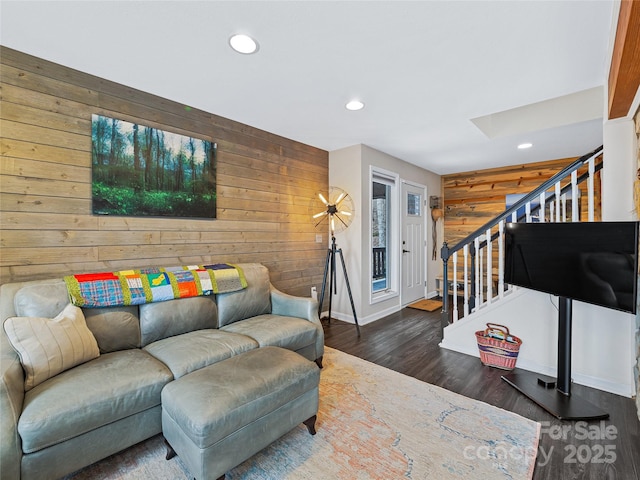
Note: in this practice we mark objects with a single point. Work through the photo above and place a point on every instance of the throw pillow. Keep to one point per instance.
(49, 346)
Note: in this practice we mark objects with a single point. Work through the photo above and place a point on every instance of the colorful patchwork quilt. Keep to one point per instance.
(155, 284)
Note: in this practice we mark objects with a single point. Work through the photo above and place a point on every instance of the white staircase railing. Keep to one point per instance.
(477, 262)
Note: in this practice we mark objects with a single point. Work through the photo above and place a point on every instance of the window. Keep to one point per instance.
(384, 235)
(380, 202)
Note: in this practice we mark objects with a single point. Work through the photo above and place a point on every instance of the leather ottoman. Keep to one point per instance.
(219, 416)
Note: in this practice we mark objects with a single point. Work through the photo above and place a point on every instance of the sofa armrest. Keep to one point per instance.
(292, 306)
(301, 307)
(11, 401)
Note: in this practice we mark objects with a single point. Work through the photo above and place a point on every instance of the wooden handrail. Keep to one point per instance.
(535, 193)
(446, 252)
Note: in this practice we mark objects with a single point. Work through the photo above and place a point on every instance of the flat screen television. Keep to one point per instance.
(593, 262)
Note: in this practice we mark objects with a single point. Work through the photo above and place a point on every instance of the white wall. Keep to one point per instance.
(603, 351)
(344, 172)
(619, 172)
(349, 168)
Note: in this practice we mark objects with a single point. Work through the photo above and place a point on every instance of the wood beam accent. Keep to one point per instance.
(624, 75)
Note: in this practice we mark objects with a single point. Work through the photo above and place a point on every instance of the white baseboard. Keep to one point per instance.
(363, 320)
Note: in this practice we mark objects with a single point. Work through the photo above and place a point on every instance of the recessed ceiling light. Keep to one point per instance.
(354, 105)
(524, 146)
(242, 43)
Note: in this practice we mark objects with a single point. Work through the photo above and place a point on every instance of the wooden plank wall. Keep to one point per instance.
(471, 199)
(265, 183)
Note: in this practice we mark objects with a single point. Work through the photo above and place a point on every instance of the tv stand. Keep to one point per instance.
(555, 395)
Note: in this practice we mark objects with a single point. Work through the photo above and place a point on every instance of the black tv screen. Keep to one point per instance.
(593, 262)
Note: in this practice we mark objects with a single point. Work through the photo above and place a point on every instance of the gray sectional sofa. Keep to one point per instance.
(113, 401)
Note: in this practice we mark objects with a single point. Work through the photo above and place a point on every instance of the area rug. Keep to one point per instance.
(373, 423)
(426, 304)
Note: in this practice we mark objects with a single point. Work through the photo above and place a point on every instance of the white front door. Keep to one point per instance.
(414, 247)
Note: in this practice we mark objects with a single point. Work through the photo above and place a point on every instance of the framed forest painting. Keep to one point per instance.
(143, 171)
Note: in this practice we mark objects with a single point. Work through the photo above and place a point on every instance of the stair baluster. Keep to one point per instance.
(552, 194)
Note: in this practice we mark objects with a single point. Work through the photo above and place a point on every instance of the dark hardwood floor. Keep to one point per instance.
(407, 342)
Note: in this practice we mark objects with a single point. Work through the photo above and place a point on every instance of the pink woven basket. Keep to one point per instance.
(498, 348)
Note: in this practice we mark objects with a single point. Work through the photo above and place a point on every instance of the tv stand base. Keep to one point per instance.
(544, 393)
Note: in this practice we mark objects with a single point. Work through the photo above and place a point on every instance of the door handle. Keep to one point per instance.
(405, 251)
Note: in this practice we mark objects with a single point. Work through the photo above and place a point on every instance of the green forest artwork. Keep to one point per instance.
(143, 171)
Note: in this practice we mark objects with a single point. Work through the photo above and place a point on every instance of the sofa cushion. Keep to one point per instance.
(276, 330)
(109, 388)
(49, 346)
(194, 350)
(173, 317)
(41, 299)
(253, 300)
(115, 328)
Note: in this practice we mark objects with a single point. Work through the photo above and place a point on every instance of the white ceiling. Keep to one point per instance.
(424, 69)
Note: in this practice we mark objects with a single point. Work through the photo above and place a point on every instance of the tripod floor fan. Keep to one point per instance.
(337, 211)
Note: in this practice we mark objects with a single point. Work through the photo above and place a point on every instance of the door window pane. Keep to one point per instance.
(414, 203)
